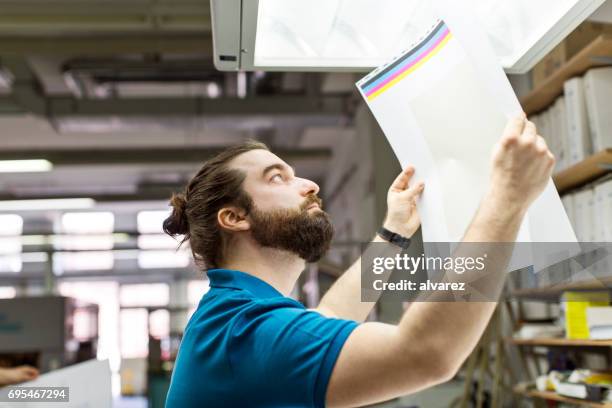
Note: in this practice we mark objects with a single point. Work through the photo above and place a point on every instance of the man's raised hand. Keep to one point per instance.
(402, 216)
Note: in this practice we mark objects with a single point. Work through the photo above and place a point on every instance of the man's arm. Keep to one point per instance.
(343, 299)
(381, 361)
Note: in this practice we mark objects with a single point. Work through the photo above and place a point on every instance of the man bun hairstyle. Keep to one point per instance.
(194, 211)
(176, 223)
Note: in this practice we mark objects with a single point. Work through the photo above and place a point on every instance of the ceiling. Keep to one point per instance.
(123, 99)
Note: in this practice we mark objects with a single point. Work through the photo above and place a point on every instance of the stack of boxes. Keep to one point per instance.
(590, 212)
(576, 125)
(579, 123)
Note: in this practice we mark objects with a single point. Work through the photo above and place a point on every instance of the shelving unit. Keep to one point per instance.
(552, 396)
(581, 173)
(573, 177)
(554, 291)
(526, 346)
(560, 342)
(597, 53)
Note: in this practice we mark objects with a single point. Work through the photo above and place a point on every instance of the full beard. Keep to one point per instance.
(305, 234)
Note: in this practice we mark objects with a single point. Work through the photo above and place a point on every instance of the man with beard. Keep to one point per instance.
(253, 224)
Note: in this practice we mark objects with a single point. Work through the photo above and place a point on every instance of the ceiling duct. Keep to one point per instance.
(99, 79)
(195, 123)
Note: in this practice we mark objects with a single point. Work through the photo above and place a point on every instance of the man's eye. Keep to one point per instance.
(277, 177)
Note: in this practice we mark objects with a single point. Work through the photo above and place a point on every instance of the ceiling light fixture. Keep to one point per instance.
(25, 166)
(47, 204)
(358, 35)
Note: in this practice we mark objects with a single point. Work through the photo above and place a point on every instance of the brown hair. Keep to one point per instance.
(194, 213)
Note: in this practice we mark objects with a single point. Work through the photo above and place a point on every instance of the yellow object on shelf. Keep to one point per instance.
(599, 379)
(575, 304)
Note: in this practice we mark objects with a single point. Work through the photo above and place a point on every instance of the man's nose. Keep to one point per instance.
(308, 187)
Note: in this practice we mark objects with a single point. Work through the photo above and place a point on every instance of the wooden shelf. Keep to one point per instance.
(581, 173)
(555, 291)
(552, 396)
(561, 342)
(597, 53)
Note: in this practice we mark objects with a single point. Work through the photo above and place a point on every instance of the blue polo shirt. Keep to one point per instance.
(247, 345)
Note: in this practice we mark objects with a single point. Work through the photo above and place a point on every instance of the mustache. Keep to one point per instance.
(311, 199)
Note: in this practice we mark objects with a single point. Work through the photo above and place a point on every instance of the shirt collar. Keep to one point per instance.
(228, 278)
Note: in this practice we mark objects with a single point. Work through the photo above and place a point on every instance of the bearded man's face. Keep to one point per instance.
(285, 211)
(306, 231)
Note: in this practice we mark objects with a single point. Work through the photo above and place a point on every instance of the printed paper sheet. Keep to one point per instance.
(443, 104)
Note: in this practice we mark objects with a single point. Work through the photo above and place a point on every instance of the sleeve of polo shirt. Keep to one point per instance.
(287, 353)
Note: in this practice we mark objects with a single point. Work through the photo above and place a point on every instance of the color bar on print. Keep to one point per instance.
(408, 63)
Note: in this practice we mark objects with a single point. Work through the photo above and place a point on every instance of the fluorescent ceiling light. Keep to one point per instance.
(25, 166)
(7, 292)
(47, 204)
(10, 263)
(11, 224)
(34, 257)
(82, 261)
(144, 294)
(155, 259)
(83, 242)
(151, 222)
(151, 241)
(357, 35)
(10, 246)
(88, 222)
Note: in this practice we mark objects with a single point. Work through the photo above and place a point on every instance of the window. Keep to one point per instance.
(195, 290)
(84, 324)
(85, 230)
(7, 292)
(163, 259)
(11, 228)
(157, 242)
(88, 222)
(134, 333)
(145, 294)
(159, 323)
(135, 327)
(150, 222)
(82, 261)
(106, 296)
(11, 224)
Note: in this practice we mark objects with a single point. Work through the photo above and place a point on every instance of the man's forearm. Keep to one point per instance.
(343, 299)
(453, 329)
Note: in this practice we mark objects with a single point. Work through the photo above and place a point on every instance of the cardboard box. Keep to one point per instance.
(582, 36)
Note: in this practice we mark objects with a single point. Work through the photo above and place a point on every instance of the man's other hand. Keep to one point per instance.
(522, 165)
(402, 216)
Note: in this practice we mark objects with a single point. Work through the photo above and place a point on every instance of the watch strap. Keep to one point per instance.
(394, 238)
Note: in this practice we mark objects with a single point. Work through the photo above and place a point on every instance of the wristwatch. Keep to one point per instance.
(393, 238)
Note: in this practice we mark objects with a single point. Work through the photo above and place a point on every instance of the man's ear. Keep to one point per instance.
(233, 219)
